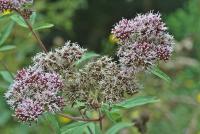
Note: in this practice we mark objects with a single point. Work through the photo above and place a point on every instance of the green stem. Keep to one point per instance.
(81, 119)
(37, 37)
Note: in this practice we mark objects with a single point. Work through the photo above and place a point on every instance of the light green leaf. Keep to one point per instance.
(156, 71)
(4, 116)
(92, 127)
(7, 48)
(117, 127)
(33, 18)
(133, 102)
(112, 116)
(6, 32)
(43, 26)
(85, 59)
(53, 122)
(6, 76)
(19, 20)
(74, 128)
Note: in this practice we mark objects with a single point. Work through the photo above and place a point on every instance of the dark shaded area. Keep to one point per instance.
(93, 24)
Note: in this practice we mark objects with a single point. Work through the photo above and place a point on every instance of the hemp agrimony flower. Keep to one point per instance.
(54, 77)
(34, 92)
(143, 41)
(60, 59)
(16, 5)
(100, 81)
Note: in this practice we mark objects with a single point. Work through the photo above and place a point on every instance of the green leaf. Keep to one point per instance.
(7, 48)
(112, 116)
(85, 59)
(19, 20)
(6, 76)
(6, 32)
(156, 71)
(133, 102)
(117, 127)
(74, 128)
(43, 26)
(33, 18)
(4, 117)
(53, 122)
(92, 127)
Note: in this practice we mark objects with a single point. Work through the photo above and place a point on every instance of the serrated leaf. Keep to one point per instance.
(156, 71)
(19, 20)
(74, 128)
(117, 127)
(6, 32)
(7, 48)
(133, 102)
(43, 26)
(85, 59)
(6, 76)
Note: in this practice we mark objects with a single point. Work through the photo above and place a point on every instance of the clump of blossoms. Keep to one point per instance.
(21, 6)
(54, 77)
(34, 92)
(100, 81)
(62, 59)
(143, 41)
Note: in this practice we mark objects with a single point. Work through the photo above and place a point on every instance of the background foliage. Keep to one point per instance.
(88, 22)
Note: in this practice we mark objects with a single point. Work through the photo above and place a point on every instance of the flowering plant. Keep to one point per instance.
(70, 77)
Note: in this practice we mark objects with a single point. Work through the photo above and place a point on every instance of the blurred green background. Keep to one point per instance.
(89, 23)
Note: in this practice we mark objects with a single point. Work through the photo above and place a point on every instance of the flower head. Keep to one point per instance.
(123, 29)
(61, 59)
(16, 5)
(34, 92)
(100, 81)
(146, 42)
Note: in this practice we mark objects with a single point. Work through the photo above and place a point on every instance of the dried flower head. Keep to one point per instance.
(34, 92)
(61, 59)
(100, 81)
(147, 41)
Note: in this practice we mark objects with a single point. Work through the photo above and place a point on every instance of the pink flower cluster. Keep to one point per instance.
(143, 41)
(35, 92)
(16, 5)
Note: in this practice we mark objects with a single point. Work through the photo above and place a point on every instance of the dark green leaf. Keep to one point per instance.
(7, 48)
(85, 59)
(117, 127)
(6, 76)
(6, 32)
(43, 26)
(156, 71)
(133, 102)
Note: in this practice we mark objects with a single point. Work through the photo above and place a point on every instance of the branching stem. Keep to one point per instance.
(37, 37)
(81, 119)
